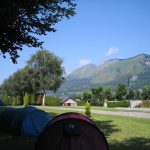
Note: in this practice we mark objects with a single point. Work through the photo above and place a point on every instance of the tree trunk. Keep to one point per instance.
(43, 101)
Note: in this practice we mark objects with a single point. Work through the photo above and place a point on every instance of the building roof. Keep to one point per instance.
(64, 100)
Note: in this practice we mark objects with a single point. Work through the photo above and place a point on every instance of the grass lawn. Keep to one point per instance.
(122, 133)
(109, 109)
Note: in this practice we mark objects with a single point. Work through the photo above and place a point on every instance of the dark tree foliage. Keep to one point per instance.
(121, 91)
(17, 84)
(22, 20)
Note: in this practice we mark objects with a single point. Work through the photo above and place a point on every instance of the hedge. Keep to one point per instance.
(81, 103)
(16, 101)
(145, 104)
(118, 103)
(8, 100)
(52, 101)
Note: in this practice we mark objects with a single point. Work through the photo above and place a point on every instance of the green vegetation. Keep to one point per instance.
(118, 103)
(120, 97)
(26, 99)
(111, 73)
(113, 109)
(52, 101)
(7, 100)
(16, 101)
(145, 104)
(122, 133)
(87, 109)
(43, 72)
(34, 99)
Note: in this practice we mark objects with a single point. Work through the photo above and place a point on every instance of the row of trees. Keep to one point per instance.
(42, 72)
(99, 94)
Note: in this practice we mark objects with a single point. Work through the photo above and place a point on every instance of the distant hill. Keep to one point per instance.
(111, 73)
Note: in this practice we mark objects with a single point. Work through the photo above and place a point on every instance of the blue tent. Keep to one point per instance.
(1, 102)
(25, 121)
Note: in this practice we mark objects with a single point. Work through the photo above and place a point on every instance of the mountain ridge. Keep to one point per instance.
(110, 73)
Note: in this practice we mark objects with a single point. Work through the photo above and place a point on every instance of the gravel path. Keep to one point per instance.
(129, 114)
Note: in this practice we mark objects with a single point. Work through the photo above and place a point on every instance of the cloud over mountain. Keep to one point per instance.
(85, 62)
(111, 51)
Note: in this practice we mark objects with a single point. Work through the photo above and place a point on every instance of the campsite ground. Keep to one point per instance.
(122, 133)
(106, 111)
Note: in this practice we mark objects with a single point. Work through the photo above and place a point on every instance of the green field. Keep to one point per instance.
(109, 109)
(122, 133)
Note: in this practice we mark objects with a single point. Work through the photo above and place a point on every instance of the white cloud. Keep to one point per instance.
(85, 62)
(111, 51)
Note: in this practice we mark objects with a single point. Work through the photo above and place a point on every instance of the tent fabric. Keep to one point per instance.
(71, 131)
(72, 115)
(25, 121)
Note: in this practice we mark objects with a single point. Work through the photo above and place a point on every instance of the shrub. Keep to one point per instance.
(7, 100)
(81, 103)
(16, 101)
(145, 104)
(29, 99)
(33, 99)
(87, 109)
(26, 100)
(52, 101)
(118, 103)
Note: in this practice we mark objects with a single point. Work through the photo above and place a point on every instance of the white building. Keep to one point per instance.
(69, 102)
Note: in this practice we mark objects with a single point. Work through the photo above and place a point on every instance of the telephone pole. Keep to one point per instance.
(129, 88)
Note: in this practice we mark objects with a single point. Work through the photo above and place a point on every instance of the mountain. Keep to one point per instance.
(86, 71)
(110, 73)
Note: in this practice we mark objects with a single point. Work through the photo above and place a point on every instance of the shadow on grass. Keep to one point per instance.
(8, 140)
(16, 142)
(52, 114)
(107, 127)
(138, 143)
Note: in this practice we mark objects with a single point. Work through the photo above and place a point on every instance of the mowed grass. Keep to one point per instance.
(122, 133)
(109, 109)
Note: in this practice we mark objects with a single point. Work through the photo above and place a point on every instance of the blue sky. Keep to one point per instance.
(101, 30)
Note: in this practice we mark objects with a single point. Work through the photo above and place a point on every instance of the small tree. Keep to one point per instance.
(87, 109)
(33, 99)
(26, 100)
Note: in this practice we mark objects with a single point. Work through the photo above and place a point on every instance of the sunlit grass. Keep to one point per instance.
(129, 133)
(122, 133)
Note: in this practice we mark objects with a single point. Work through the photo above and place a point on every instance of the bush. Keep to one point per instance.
(16, 101)
(52, 101)
(29, 99)
(8, 100)
(26, 100)
(33, 99)
(81, 103)
(145, 104)
(87, 109)
(118, 103)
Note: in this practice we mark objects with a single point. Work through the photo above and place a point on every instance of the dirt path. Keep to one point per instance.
(128, 114)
